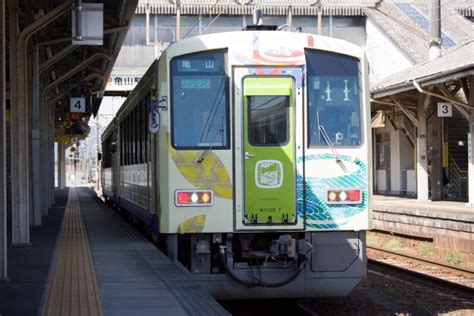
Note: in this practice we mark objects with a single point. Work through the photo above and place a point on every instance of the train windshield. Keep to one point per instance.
(199, 103)
(334, 94)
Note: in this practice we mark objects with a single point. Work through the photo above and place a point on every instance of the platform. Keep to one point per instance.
(99, 265)
(449, 225)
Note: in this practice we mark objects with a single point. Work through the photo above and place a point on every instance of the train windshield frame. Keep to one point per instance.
(200, 101)
(334, 99)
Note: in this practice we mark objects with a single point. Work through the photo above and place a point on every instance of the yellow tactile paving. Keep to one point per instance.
(72, 286)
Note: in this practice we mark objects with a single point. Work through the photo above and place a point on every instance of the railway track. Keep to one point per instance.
(458, 277)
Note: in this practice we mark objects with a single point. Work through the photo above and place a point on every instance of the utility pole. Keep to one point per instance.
(435, 29)
(178, 20)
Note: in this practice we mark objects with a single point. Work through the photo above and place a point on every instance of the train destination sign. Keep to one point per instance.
(199, 65)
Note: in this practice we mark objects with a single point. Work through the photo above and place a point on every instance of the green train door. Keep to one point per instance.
(269, 151)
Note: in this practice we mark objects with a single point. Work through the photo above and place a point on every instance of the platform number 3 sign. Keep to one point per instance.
(445, 109)
(78, 105)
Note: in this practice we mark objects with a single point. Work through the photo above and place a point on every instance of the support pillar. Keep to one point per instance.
(36, 144)
(436, 176)
(3, 150)
(51, 170)
(470, 149)
(422, 154)
(19, 191)
(61, 166)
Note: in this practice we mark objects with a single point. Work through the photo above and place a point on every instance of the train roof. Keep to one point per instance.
(236, 39)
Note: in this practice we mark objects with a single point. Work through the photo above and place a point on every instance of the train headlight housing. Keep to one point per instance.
(344, 196)
(194, 198)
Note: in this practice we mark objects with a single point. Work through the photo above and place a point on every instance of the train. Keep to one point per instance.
(247, 157)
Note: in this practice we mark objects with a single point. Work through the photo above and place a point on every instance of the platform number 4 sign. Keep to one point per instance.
(445, 109)
(78, 105)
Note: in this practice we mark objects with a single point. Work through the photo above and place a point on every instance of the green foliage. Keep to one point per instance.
(425, 250)
(372, 239)
(453, 258)
(393, 244)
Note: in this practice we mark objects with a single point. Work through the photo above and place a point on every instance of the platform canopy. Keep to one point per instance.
(65, 67)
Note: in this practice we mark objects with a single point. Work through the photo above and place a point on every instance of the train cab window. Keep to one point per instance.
(199, 101)
(334, 99)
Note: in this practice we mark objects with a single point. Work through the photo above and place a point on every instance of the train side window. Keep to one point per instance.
(334, 99)
(199, 101)
(121, 143)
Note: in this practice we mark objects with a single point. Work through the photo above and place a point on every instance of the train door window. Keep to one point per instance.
(199, 101)
(268, 120)
(334, 99)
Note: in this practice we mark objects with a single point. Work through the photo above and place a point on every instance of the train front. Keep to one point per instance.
(264, 163)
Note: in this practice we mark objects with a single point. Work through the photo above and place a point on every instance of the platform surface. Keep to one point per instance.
(87, 260)
(437, 209)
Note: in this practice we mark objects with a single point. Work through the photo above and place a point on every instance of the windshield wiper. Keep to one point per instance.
(325, 135)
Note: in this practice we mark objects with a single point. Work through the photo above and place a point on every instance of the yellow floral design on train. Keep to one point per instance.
(210, 173)
(194, 224)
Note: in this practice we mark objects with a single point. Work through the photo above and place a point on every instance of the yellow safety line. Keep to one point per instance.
(72, 285)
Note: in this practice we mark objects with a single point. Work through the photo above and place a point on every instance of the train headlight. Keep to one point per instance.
(343, 196)
(194, 197)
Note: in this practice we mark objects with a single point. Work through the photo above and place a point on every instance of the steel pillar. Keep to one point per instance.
(3, 151)
(61, 166)
(20, 212)
(37, 158)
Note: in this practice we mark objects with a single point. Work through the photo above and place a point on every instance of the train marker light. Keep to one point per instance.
(194, 198)
(343, 196)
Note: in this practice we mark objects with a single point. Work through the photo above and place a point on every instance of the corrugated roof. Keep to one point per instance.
(269, 7)
(409, 36)
(457, 63)
(401, 30)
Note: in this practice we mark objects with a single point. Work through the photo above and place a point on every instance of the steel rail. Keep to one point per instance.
(450, 283)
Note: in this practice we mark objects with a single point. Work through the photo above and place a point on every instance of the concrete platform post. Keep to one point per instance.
(470, 149)
(3, 151)
(421, 152)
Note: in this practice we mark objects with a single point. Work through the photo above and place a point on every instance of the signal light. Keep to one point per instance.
(194, 198)
(343, 196)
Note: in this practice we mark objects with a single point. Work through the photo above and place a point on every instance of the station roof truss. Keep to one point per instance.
(449, 78)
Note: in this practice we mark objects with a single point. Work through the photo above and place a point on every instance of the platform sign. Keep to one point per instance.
(78, 105)
(445, 109)
(87, 24)
(153, 121)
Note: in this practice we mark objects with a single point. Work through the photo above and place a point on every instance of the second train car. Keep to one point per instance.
(248, 157)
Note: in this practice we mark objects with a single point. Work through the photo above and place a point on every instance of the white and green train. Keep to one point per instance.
(248, 157)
